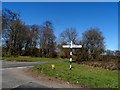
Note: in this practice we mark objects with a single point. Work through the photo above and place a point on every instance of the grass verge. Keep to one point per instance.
(29, 59)
(83, 75)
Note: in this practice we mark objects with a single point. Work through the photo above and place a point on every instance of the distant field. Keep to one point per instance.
(29, 59)
(83, 75)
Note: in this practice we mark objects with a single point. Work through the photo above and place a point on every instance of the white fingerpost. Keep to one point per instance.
(71, 46)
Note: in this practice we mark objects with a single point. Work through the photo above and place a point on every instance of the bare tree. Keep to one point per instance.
(93, 42)
(13, 36)
(70, 34)
(47, 39)
(34, 39)
(10, 30)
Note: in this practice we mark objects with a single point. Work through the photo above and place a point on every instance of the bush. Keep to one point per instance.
(62, 55)
(106, 65)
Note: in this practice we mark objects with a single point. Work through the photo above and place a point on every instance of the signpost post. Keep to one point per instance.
(71, 46)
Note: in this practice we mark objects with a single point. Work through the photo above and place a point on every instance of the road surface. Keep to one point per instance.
(9, 64)
(14, 76)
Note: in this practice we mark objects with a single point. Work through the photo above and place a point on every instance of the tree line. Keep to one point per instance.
(19, 39)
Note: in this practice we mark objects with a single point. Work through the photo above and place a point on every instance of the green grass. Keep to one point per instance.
(29, 59)
(80, 74)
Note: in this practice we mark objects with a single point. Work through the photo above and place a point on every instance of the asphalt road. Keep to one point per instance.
(6, 64)
(9, 64)
(14, 78)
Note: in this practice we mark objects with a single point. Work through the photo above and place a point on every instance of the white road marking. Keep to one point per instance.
(15, 67)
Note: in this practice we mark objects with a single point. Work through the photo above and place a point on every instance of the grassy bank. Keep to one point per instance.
(80, 74)
(29, 59)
